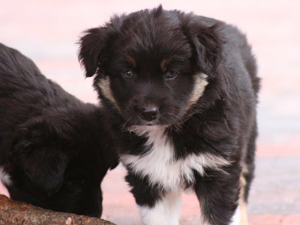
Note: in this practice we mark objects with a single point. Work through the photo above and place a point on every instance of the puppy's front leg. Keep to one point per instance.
(218, 194)
(157, 207)
(165, 211)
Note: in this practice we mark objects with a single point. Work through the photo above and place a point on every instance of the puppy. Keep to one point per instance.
(182, 91)
(54, 149)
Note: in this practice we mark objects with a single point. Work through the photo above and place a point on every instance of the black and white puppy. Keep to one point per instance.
(182, 93)
(54, 149)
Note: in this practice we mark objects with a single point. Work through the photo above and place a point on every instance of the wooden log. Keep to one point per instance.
(13, 212)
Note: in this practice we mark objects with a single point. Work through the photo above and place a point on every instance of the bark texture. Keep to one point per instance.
(13, 212)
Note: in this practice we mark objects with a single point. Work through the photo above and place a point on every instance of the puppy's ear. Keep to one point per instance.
(91, 47)
(207, 43)
(41, 158)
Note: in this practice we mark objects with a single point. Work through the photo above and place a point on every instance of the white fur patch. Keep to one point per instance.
(200, 83)
(4, 177)
(165, 212)
(236, 219)
(160, 165)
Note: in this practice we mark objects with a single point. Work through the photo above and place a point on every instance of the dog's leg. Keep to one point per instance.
(165, 211)
(218, 194)
(243, 203)
(157, 207)
(249, 163)
(248, 167)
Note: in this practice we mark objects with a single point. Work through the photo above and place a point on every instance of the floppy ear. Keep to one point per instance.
(91, 46)
(207, 43)
(42, 161)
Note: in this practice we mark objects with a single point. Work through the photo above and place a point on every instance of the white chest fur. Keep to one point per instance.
(160, 165)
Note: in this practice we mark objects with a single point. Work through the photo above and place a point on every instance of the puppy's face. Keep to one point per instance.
(150, 84)
(49, 170)
(152, 66)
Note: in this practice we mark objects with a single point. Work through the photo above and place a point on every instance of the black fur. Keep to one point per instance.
(223, 120)
(55, 148)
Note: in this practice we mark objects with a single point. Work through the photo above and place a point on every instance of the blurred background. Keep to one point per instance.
(47, 32)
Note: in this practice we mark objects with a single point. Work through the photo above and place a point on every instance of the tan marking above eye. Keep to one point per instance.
(131, 60)
(163, 64)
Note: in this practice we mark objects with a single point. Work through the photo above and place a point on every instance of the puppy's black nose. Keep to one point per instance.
(149, 114)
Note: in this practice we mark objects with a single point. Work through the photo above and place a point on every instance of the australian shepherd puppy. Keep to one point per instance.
(54, 149)
(181, 91)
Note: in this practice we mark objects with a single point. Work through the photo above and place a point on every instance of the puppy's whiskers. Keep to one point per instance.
(124, 126)
(165, 120)
(177, 117)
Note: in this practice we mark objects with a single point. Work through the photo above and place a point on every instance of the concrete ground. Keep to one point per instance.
(47, 32)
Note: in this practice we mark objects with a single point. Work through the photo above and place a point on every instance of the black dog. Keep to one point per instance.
(54, 149)
(182, 93)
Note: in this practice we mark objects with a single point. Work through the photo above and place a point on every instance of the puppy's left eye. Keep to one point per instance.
(128, 74)
(171, 75)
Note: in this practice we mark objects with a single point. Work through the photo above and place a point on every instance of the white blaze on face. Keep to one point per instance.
(200, 83)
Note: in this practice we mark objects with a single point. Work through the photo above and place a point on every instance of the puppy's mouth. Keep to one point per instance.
(142, 122)
(145, 125)
(166, 119)
(142, 130)
(148, 124)
(139, 122)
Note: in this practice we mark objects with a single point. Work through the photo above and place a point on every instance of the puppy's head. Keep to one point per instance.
(151, 66)
(38, 151)
(50, 169)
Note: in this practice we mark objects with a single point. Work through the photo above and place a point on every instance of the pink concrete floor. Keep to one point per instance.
(47, 32)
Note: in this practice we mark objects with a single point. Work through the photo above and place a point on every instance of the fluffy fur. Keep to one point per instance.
(54, 149)
(169, 206)
(160, 166)
(181, 91)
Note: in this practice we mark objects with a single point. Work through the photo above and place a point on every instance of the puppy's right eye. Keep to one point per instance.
(128, 74)
(171, 75)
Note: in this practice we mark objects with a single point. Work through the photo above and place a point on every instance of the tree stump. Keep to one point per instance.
(13, 212)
